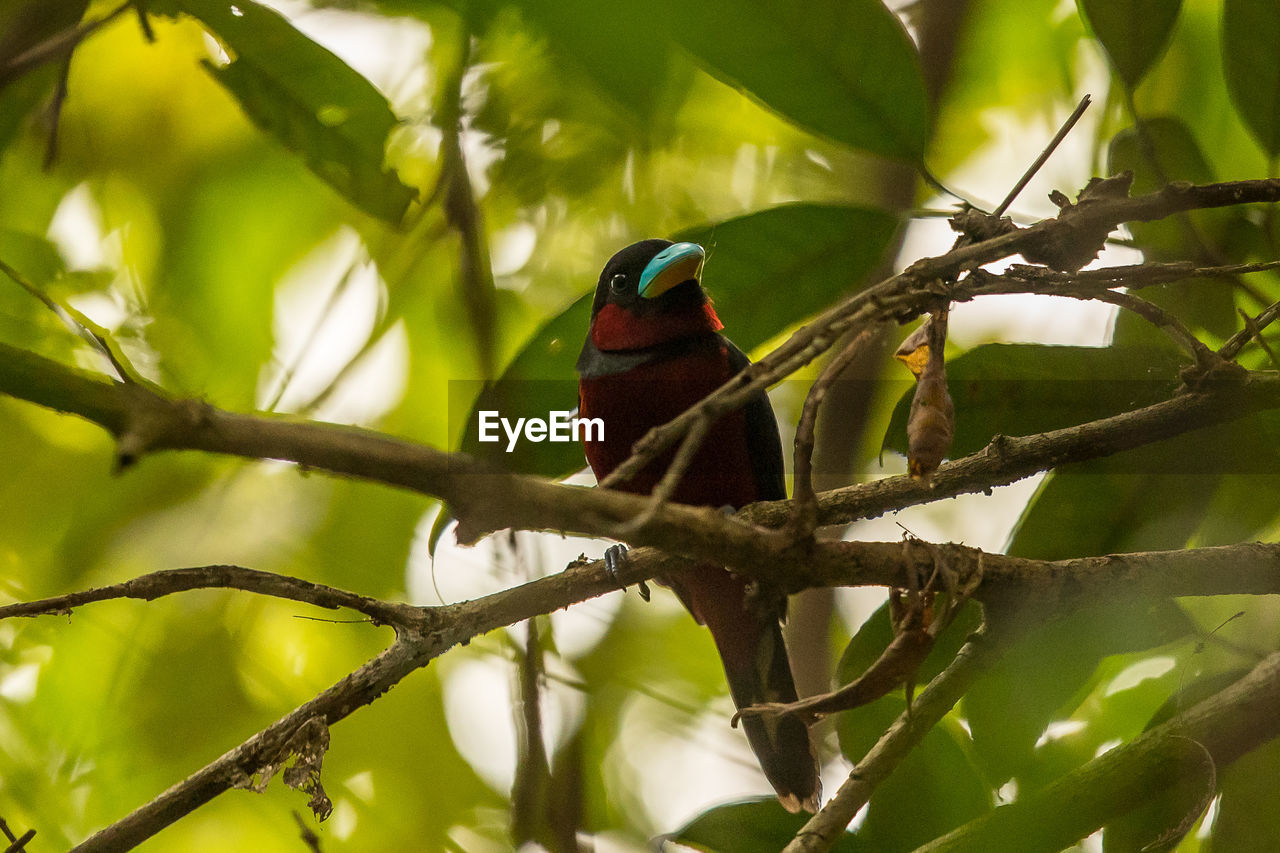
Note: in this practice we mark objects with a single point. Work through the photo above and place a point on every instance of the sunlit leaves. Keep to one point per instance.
(1133, 32)
(769, 269)
(312, 102)
(1034, 684)
(1251, 59)
(622, 46)
(844, 69)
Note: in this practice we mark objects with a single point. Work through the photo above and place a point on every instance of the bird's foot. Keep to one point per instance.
(614, 557)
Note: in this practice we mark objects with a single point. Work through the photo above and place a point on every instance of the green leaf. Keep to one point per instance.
(619, 46)
(938, 772)
(755, 826)
(1247, 819)
(766, 271)
(1244, 507)
(1107, 507)
(540, 379)
(1251, 61)
(32, 255)
(1187, 791)
(845, 69)
(1133, 32)
(20, 98)
(1108, 715)
(770, 269)
(1036, 681)
(1022, 389)
(311, 101)
(1150, 498)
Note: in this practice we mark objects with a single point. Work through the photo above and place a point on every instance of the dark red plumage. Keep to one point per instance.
(653, 351)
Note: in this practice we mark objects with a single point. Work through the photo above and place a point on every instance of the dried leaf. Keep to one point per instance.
(931, 424)
(308, 746)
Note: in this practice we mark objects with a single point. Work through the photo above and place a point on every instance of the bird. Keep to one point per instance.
(653, 350)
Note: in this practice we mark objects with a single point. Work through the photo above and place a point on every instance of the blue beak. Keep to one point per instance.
(674, 265)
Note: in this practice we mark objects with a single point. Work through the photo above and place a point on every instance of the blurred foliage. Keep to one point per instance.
(247, 196)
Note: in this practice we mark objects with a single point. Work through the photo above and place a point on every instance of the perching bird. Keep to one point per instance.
(653, 350)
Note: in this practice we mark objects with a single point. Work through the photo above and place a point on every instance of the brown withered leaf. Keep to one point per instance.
(931, 423)
(307, 746)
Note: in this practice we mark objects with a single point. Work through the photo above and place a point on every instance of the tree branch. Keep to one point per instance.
(143, 419)
(236, 768)
(158, 584)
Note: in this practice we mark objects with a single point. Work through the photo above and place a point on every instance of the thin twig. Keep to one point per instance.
(670, 481)
(87, 330)
(806, 501)
(155, 585)
(533, 770)
(1255, 331)
(59, 44)
(55, 114)
(308, 834)
(1161, 319)
(464, 215)
(288, 371)
(144, 23)
(1237, 341)
(20, 844)
(1044, 155)
(1130, 275)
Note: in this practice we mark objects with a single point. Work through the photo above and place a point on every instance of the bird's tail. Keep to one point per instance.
(749, 639)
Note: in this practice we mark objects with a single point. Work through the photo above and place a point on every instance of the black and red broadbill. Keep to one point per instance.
(654, 350)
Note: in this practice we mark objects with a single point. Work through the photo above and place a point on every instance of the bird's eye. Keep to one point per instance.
(618, 283)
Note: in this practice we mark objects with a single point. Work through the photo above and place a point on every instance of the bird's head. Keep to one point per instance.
(649, 294)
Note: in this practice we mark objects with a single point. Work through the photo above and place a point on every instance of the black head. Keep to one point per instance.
(652, 275)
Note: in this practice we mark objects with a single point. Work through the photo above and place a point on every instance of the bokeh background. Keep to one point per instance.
(220, 208)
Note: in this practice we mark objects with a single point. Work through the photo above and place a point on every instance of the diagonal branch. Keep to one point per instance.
(237, 767)
(825, 828)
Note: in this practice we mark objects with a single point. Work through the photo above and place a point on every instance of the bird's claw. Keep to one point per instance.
(614, 557)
